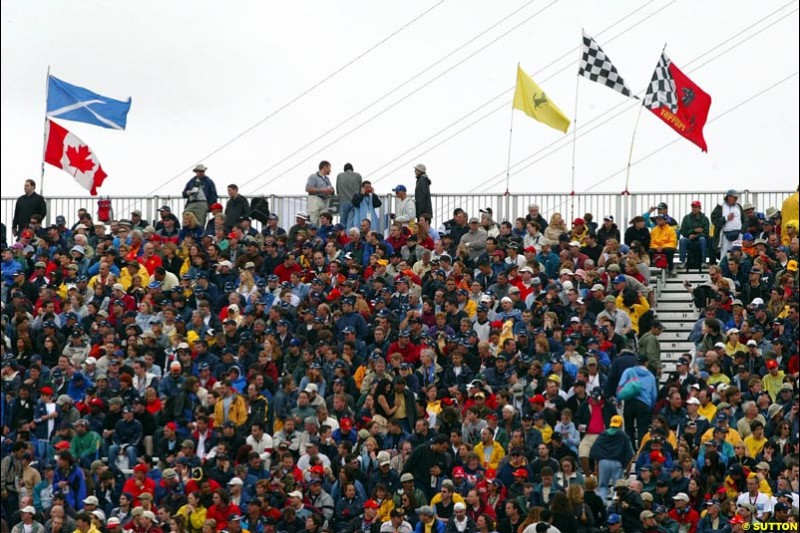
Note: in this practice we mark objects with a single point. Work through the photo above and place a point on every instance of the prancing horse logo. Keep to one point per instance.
(540, 101)
(688, 96)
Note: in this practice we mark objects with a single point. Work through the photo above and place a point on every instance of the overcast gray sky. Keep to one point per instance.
(201, 72)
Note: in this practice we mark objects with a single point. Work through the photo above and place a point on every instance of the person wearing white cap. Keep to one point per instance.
(727, 220)
(200, 192)
(422, 190)
(460, 520)
(686, 517)
(28, 523)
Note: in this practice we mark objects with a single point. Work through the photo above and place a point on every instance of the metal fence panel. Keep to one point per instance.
(505, 207)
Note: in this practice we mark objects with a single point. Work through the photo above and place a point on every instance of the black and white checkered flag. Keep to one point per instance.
(596, 66)
(661, 91)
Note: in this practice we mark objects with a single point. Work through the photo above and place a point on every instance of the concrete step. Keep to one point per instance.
(692, 277)
(677, 346)
(684, 306)
(667, 368)
(675, 288)
(674, 296)
(690, 317)
(670, 357)
(673, 336)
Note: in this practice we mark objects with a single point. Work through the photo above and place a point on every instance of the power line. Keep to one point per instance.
(410, 79)
(497, 178)
(397, 102)
(322, 80)
(569, 53)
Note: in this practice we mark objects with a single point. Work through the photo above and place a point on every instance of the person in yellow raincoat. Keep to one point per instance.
(790, 212)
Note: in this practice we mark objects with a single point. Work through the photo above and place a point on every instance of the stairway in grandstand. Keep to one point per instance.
(676, 312)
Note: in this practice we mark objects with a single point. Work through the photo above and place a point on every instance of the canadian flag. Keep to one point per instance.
(67, 152)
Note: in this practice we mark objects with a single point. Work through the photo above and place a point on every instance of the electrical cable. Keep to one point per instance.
(391, 106)
(486, 184)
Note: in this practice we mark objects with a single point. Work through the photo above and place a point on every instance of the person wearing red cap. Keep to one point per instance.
(370, 522)
(773, 379)
(736, 523)
(695, 230)
(579, 231)
(44, 420)
(139, 483)
(460, 483)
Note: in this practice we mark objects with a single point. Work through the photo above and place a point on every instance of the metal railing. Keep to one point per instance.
(505, 207)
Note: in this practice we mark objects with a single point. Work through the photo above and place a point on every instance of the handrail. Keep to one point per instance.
(505, 207)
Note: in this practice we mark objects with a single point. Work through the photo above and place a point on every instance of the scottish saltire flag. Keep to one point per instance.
(70, 102)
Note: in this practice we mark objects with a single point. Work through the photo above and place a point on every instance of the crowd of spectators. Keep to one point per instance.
(198, 373)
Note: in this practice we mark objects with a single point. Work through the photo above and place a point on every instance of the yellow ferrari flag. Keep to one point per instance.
(533, 101)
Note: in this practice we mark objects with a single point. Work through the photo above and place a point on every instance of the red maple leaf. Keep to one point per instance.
(80, 158)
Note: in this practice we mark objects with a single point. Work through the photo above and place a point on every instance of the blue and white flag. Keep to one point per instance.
(71, 102)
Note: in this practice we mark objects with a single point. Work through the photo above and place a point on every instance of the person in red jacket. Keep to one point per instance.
(222, 510)
(406, 348)
(686, 517)
(139, 484)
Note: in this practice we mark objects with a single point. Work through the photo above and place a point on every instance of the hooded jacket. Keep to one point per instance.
(612, 444)
(422, 195)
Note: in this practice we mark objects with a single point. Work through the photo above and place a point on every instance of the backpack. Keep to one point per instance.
(660, 261)
(259, 209)
(631, 390)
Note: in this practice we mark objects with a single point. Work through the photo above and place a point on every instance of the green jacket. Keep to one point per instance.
(650, 346)
(690, 222)
(86, 444)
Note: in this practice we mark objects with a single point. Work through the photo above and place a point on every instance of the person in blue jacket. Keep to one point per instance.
(639, 397)
(200, 192)
(69, 480)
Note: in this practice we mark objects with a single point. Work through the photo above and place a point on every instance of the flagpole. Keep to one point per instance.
(633, 138)
(508, 160)
(575, 135)
(630, 152)
(44, 135)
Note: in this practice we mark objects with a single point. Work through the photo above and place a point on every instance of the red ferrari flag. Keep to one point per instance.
(678, 101)
(67, 152)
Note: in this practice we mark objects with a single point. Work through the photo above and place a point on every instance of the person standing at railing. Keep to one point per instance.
(236, 208)
(727, 219)
(200, 192)
(422, 191)
(29, 204)
(319, 189)
(348, 184)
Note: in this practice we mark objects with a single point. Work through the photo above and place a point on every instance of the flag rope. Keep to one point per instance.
(510, 136)
(44, 135)
(575, 135)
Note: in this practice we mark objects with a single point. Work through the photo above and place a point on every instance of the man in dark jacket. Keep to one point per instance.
(695, 227)
(128, 434)
(629, 506)
(29, 204)
(423, 458)
(422, 191)
(613, 451)
(236, 208)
